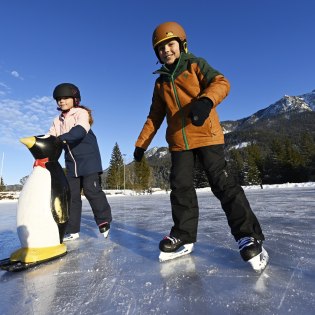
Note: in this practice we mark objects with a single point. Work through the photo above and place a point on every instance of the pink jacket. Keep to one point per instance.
(82, 154)
(76, 116)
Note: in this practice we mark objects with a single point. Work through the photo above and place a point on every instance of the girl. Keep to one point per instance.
(82, 158)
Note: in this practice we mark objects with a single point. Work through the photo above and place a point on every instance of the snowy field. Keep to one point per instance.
(122, 275)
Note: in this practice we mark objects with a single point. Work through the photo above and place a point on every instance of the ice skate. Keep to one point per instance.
(172, 248)
(71, 237)
(253, 252)
(104, 229)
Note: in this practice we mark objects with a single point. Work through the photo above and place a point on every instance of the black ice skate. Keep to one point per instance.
(253, 252)
(104, 229)
(172, 247)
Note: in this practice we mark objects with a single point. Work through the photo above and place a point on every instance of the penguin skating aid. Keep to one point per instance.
(43, 205)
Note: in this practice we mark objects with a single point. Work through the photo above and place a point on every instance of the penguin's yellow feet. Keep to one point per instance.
(30, 255)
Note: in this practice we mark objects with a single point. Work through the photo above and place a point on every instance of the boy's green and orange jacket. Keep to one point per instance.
(174, 91)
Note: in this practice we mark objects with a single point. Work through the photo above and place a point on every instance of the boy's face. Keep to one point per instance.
(169, 51)
(65, 103)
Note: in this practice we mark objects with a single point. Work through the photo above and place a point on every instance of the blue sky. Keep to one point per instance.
(265, 48)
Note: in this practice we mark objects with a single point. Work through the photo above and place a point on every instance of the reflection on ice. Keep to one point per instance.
(122, 274)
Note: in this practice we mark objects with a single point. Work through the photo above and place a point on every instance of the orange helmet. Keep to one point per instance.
(167, 31)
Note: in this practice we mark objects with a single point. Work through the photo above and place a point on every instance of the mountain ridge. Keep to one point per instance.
(287, 105)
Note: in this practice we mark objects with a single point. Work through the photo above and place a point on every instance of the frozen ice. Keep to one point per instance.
(122, 274)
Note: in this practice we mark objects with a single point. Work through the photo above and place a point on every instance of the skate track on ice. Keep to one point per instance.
(122, 275)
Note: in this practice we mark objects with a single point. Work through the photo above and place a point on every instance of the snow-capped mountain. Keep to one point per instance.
(156, 152)
(286, 106)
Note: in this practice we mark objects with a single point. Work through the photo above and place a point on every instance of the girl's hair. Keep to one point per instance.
(89, 111)
(83, 107)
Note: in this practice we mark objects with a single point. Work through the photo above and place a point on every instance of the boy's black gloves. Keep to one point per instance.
(138, 154)
(200, 110)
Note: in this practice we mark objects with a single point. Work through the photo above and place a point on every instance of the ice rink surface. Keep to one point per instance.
(122, 274)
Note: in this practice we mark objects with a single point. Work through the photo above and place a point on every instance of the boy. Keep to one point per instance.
(187, 92)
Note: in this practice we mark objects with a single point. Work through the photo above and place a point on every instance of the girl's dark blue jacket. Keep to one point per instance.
(82, 155)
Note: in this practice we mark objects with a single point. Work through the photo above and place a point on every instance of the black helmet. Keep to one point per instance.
(67, 90)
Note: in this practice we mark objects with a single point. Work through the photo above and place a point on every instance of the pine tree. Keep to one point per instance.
(307, 147)
(236, 165)
(274, 163)
(142, 175)
(2, 186)
(293, 165)
(255, 165)
(252, 173)
(115, 175)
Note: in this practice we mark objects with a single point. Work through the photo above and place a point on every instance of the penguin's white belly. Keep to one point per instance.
(35, 223)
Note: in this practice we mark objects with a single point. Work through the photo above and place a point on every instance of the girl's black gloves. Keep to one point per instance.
(200, 110)
(138, 154)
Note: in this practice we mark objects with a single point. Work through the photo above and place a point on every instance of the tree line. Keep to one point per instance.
(119, 176)
(281, 161)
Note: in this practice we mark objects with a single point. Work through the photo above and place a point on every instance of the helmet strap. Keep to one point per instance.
(184, 44)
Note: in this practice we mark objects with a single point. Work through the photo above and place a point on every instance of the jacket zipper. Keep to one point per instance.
(179, 105)
(75, 163)
(182, 114)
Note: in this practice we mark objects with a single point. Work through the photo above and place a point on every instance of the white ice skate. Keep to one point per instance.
(71, 237)
(259, 262)
(105, 234)
(183, 250)
(104, 229)
(254, 253)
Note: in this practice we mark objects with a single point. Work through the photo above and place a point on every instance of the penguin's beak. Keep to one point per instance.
(29, 141)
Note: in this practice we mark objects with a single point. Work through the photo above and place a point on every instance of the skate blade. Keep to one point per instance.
(71, 237)
(105, 234)
(259, 262)
(186, 249)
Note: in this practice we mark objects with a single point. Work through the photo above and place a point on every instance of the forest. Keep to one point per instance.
(280, 160)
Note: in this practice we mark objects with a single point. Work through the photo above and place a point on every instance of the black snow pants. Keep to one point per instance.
(94, 194)
(185, 210)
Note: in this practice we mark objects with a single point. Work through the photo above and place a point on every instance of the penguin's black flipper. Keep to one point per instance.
(60, 197)
(60, 193)
(13, 266)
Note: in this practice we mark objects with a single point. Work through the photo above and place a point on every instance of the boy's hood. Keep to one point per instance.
(183, 58)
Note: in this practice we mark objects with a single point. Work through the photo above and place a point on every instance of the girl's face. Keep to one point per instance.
(169, 51)
(65, 103)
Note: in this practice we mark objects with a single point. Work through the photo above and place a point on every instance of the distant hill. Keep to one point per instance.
(288, 116)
